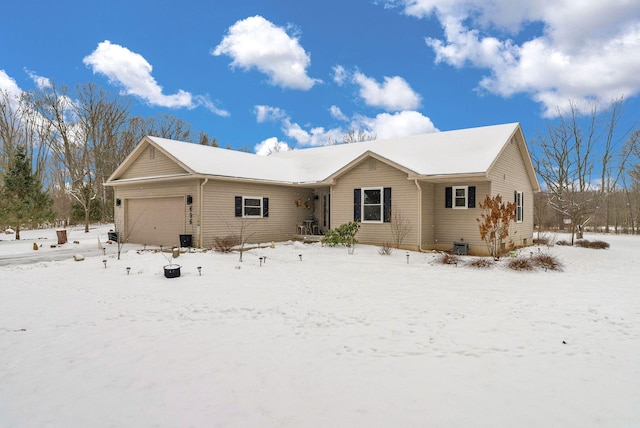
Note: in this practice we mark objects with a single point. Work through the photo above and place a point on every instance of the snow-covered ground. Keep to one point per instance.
(315, 337)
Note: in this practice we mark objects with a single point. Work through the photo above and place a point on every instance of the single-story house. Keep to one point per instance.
(174, 193)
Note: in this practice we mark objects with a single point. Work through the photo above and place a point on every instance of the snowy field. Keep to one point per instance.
(329, 340)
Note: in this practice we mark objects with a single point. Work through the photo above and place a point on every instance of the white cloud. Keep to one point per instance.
(399, 124)
(585, 50)
(40, 81)
(340, 75)
(256, 42)
(133, 72)
(268, 113)
(384, 125)
(9, 85)
(336, 113)
(394, 94)
(270, 145)
(317, 136)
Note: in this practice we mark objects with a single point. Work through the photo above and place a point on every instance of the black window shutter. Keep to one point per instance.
(357, 205)
(238, 206)
(448, 197)
(387, 205)
(471, 198)
(265, 207)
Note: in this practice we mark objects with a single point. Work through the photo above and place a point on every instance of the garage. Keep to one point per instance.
(155, 221)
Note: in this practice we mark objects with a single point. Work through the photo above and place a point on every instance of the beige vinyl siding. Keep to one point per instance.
(152, 165)
(404, 199)
(151, 190)
(219, 218)
(458, 224)
(428, 215)
(508, 175)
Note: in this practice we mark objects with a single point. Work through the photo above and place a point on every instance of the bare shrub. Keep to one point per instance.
(400, 227)
(541, 241)
(449, 259)
(385, 249)
(598, 245)
(521, 264)
(547, 262)
(482, 263)
(563, 242)
(225, 244)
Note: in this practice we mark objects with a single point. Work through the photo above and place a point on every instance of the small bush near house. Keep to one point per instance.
(345, 234)
(543, 240)
(521, 263)
(598, 245)
(546, 239)
(482, 263)
(385, 250)
(225, 244)
(563, 242)
(449, 259)
(547, 262)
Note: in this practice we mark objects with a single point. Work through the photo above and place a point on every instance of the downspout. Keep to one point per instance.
(419, 215)
(200, 220)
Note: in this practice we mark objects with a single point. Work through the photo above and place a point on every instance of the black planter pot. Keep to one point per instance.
(172, 271)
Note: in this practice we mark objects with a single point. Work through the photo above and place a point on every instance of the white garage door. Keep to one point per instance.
(156, 221)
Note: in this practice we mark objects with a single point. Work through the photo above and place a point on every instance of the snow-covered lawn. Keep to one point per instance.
(332, 340)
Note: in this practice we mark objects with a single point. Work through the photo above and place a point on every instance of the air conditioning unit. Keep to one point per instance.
(460, 248)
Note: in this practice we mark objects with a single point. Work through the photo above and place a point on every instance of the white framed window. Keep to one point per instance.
(519, 199)
(460, 196)
(251, 206)
(372, 205)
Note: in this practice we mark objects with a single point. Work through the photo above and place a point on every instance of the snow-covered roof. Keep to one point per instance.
(465, 151)
(205, 160)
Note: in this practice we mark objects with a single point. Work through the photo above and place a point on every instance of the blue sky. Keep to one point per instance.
(255, 73)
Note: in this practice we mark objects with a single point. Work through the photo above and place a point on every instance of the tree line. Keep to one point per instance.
(73, 139)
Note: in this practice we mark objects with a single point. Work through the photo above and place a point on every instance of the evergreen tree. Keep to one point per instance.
(22, 200)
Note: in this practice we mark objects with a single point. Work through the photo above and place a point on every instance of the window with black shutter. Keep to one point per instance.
(251, 206)
(372, 205)
(460, 197)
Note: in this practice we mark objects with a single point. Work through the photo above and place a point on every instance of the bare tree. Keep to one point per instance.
(101, 118)
(571, 154)
(243, 233)
(618, 148)
(11, 130)
(400, 227)
(205, 140)
(352, 137)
